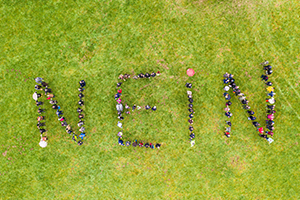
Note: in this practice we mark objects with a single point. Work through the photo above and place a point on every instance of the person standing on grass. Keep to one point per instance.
(264, 77)
(47, 90)
(44, 84)
(38, 80)
(272, 107)
(82, 83)
(246, 107)
(256, 124)
(154, 108)
(190, 121)
(80, 95)
(226, 81)
(191, 128)
(38, 87)
(192, 136)
(228, 123)
(157, 146)
(228, 114)
(41, 110)
(191, 105)
(251, 118)
(40, 124)
(271, 111)
(79, 110)
(81, 103)
(270, 89)
(50, 96)
(80, 116)
(42, 130)
(80, 89)
(119, 84)
(55, 106)
(269, 83)
(153, 74)
(147, 107)
(43, 142)
(191, 115)
(227, 109)
(38, 103)
(250, 112)
(228, 103)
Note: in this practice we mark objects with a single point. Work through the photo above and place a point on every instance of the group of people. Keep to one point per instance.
(120, 109)
(191, 115)
(141, 75)
(270, 100)
(230, 84)
(44, 87)
(41, 119)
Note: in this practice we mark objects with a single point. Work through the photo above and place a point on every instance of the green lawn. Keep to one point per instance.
(66, 41)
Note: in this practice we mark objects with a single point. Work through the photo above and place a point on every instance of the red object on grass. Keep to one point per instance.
(120, 91)
(261, 130)
(158, 73)
(190, 72)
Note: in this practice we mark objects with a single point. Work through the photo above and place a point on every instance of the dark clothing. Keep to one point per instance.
(147, 75)
(188, 85)
(38, 103)
(190, 105)
(228, 122)
(44, 84)
(250, 112)
(54, 106)
(228, 103)
(231, 80)
(37, 87)
(82, 83)
(42, 131)
(191, 100)
(40, 124)
(269, 83)
(40, 110)
(233, 85)
(244, 101)
(268, 72)
(47, 90)
(191, 128)
(153, 74)
(270, 127)
(147, 107)
(81, 103)
(252, 118)
(147, 145)
(157, 146)
(58, 113)
(134, 144)
(80, 89)
(265, 78)
(191, 110)
(141, 75)
(271, 107)
(192, 136)
(79, 110)
(256, 124)
(81, 95)
(271, 111)
(191, 115)
(119, 84)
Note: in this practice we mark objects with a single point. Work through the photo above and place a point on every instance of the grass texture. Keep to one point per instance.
(66, 41)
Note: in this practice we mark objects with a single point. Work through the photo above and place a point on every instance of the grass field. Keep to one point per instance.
(66, 41)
